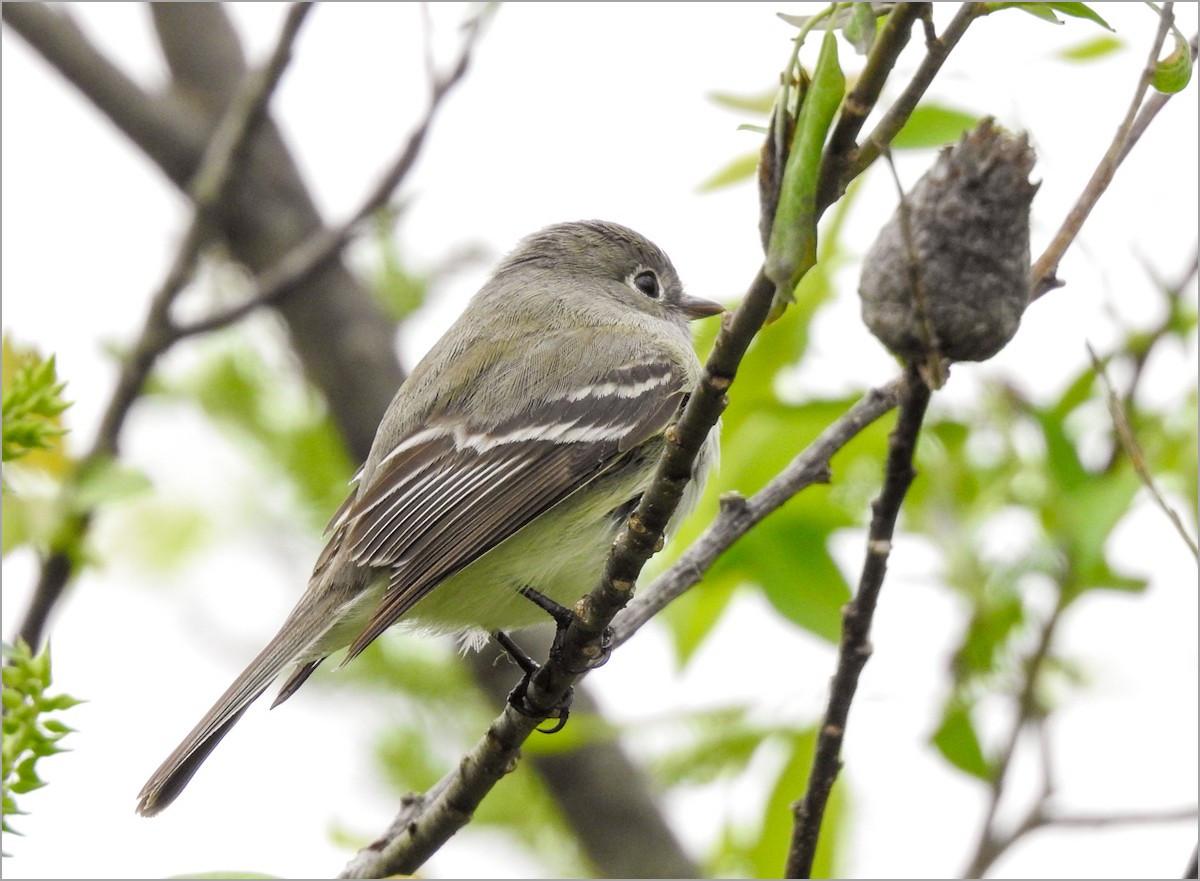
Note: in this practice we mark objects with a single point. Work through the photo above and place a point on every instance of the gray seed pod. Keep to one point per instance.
(967, 226)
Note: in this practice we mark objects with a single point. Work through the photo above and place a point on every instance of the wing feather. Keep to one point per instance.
(452, 491)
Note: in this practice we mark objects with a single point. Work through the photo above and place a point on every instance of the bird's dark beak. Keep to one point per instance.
(695, 307)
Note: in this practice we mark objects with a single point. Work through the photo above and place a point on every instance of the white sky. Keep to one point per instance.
(573, 111)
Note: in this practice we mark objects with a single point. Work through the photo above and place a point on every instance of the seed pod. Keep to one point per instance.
(948, 276)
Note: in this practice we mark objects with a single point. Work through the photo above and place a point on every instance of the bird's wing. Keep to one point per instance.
(449, 492)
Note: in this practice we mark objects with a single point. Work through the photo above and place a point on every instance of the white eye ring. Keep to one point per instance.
(645, 282)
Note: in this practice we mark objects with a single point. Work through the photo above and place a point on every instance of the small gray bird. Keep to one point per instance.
(508, 460)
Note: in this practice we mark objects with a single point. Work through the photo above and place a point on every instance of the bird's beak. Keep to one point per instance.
(696, 307)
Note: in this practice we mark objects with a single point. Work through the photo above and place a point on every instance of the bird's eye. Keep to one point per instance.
(647, 282)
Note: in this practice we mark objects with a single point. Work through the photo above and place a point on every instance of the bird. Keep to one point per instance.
(505, 465)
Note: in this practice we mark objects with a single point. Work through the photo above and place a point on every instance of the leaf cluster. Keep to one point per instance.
(32, 402)
(30, 733)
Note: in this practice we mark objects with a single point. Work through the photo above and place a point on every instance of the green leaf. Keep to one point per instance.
(998, 612)
(106, 480)
(760, 103)
(859, 28)
(932, 125)
(957, 741)
(397, 288)
(1080, 10)
(1173, 73)
(800, 578)
(778, 820)
(717, 743)
(1093, 49)
(1046, 11)
(735, 171)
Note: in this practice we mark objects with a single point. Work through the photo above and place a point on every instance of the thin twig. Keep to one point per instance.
(1045, 269)
(1137, 458)
(855, 647)
(1129, 818)
(738, 515)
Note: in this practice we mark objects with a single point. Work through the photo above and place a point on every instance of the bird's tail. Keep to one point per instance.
(302, 630)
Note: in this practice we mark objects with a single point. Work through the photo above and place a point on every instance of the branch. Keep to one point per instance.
(739, 515)
(1137, 118)
(211, 184)
(603, 794)
(855, 646)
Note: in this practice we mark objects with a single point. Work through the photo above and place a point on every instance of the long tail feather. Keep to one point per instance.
(304, 626)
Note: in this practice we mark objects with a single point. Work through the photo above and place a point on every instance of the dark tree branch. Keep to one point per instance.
(855, 646)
